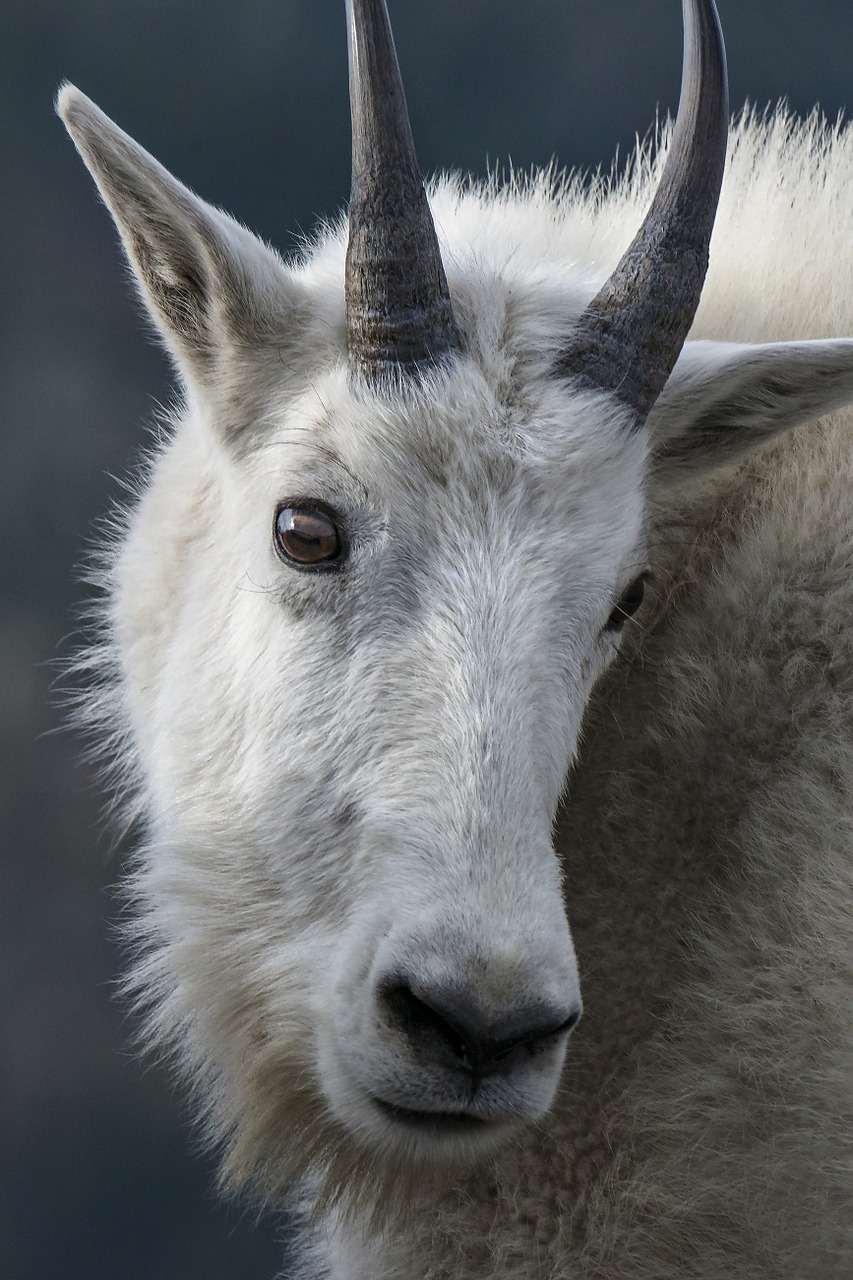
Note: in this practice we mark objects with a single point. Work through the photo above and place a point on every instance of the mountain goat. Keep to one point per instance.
(367, 674)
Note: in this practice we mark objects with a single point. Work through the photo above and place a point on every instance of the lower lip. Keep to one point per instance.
(450, 1122)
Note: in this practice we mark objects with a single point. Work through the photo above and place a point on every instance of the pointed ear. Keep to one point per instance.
(724, 399)
(209, 284)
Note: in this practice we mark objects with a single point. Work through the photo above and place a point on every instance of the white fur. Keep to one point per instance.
(344, 773)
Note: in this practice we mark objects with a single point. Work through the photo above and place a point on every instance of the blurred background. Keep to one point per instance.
(100, 1176)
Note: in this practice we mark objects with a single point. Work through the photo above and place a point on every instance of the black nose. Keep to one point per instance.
(448, 1029)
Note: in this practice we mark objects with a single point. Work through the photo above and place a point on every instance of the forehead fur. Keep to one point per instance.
(451, 431)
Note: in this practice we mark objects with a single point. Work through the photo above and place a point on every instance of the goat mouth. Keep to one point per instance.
(450, 1122)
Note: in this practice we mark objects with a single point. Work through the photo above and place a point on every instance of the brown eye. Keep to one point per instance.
(629, 603)
(306, 536)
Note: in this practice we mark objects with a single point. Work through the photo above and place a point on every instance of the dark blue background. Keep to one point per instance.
(247, 103)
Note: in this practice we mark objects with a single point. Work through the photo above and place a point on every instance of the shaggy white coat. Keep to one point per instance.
(306, 758)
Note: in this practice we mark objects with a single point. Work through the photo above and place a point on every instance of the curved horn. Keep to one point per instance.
(629, 337)
(397, 301)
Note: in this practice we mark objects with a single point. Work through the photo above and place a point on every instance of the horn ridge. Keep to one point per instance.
(629, 337)
(398, 308)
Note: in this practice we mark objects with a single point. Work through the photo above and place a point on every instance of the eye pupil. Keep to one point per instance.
(306, 536)
(629, 603)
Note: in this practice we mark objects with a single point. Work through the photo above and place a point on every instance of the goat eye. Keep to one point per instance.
(306, 536)
(629, 603)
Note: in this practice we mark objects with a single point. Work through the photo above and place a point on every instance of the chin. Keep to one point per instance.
(428, 1126)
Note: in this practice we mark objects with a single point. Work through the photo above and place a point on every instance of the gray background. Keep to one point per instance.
(247, 103)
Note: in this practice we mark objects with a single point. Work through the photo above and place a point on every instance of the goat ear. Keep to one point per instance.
(209, 284)
(724, 399)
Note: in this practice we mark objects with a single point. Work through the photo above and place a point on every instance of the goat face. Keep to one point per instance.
(443, 660)
(361, 757)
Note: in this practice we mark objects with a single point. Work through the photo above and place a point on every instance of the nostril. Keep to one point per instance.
(436, 1024)
(420, 1020)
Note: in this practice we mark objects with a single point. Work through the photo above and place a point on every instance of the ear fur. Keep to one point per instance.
(725, 399)
(209, 284)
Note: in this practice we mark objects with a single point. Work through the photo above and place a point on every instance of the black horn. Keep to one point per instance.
(629, 337)
(398, 310)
